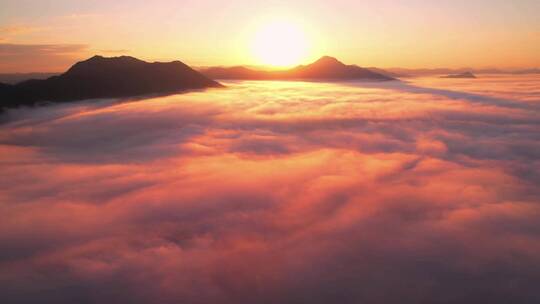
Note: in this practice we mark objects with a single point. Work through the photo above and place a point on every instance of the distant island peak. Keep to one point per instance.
(460, 75)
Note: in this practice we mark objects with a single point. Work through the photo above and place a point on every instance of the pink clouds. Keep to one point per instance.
(274, 193)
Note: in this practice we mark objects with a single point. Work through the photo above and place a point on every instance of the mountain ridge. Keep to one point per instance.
(325, 68)
(106, 77)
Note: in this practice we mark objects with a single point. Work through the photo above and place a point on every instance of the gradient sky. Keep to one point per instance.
(50, 35)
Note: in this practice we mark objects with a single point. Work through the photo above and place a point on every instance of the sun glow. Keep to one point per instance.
(280, 44)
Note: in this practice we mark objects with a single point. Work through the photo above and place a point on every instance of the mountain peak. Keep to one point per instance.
(330, 68)
(97, 63)
(327, 60)
(99, 58)
(95, 57)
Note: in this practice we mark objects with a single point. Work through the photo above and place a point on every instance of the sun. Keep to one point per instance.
(280, 44)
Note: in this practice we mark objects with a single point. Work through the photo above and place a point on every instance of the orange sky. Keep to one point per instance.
(51, 35)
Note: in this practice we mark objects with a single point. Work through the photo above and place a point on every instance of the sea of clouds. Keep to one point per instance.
(425, 191)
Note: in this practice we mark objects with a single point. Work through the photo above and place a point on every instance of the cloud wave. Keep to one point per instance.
(275, 192)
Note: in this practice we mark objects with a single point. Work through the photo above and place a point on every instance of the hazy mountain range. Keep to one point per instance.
(326, 68)
(405, 72)
(460, 75)
(249, 72)
(255, 73)
(101, 77)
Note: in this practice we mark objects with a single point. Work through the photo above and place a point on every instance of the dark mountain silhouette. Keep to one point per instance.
(13, 78)
(326, 68)
(100, 77)
(460, 75)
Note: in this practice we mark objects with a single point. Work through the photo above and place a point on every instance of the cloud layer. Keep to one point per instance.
(277, 192)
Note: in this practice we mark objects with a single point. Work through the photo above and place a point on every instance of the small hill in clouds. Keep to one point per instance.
(101, 77)
(237, 72)
(326, 68)
(460, 75)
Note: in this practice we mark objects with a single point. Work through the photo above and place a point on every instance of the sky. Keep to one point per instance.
(50, 35)
(424, 191)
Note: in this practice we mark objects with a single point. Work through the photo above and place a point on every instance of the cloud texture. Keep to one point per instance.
(277, 192)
